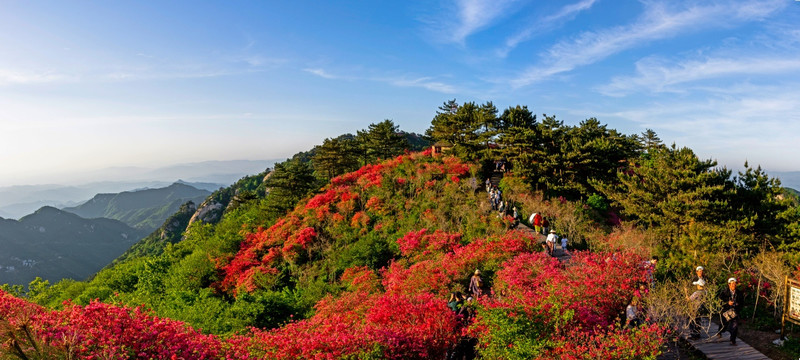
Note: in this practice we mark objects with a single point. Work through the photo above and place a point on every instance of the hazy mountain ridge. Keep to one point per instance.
(789, 179)
(142, 209)
(17, 201)
(55, 244)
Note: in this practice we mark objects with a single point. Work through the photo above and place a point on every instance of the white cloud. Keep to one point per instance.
(658, 22)
(655, 76)
(14, 77)
(755, 123)
(566, 13)
(423, 82)
(321, 73)
(472, 16)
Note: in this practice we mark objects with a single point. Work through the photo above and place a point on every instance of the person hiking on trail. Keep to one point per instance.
(632, 318)
(545, 225)
(697, 307)
(515, 221)
(732, 302)
(537, 222)
(564, 244)
(456, 301)
(551, 241)
(475, 284)
(488, 185)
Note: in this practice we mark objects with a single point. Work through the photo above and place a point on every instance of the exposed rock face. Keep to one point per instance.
(176, 224)
(266, 177)
(209, 211)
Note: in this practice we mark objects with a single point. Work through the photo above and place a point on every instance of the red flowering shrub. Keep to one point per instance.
(541, 307)
(362, 323)
(346, 211)
(101, 331)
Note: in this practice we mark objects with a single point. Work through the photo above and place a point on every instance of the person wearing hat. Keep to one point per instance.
(551, 241)
(475, 284)
(699, 274)
(698, 307)
(732, 302)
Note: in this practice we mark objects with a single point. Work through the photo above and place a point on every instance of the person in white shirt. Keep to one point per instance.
(551, 241)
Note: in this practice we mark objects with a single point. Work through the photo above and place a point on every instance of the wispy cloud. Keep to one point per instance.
(720, 119)
(566, 13)
(758, 123)
(322, 73)
(425, 82)
(472, 16)
(655, 76)
(659, 21)
(18, 77)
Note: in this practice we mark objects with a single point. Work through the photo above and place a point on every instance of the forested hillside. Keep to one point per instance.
(54, 244)
(142, 209)
(352, 249)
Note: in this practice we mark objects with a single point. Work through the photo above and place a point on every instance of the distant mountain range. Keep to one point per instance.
(78, 241)
(55, 244)
(71, 190)
(141, 209)
(789, 179)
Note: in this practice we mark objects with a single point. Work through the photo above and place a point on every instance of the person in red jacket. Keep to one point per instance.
(537, 222)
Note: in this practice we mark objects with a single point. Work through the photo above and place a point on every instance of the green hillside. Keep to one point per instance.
(353, 247)
(54, 244)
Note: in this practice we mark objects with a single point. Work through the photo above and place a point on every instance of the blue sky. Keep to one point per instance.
(86, 85)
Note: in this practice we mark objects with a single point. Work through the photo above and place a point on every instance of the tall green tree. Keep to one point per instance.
(290, 182)
(381, 141)
(335, 157)
(469, 128)
(681, 198)
(518, 139)
(762, 211)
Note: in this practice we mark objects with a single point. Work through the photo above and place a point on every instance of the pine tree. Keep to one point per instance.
(290, 182)
(335, 157)
(383, 140)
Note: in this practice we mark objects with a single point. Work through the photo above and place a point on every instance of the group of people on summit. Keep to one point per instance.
(731, 298)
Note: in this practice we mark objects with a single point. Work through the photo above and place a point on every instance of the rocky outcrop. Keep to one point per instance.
(208, 212)
(175, 224)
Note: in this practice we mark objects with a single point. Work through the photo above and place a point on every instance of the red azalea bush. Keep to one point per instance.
(101, 331)
(364, 322)
(413, 190)
(446, 271)
(543, 309)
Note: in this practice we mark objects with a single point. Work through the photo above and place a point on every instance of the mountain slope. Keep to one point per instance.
(374, 254)
(142, 209)
(55, 244)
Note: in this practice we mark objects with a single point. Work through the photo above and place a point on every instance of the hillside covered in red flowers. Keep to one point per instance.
(379, 250)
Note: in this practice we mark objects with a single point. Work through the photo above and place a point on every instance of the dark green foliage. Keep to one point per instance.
(415, 141)
(169, 233)
(55, 244)
(382, 141)
(291, 181)
(335, 157)
(469, 128)
(597, 202)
